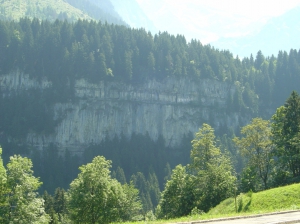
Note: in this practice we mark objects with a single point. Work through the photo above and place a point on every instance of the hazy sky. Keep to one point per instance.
(208, 20)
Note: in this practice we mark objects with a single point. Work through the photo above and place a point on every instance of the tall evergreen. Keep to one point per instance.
(286, 131)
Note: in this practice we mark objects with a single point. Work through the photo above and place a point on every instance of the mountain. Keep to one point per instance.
(132, 14)
(90, 88)
(60, 9)
(279, 33)
(103, 10)
(47, 9)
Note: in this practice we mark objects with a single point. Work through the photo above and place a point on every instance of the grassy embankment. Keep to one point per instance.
(273, 200)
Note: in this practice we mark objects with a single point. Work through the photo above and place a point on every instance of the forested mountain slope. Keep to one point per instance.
(51, 10)
(133, 14)
(96, 88)
(47, 9)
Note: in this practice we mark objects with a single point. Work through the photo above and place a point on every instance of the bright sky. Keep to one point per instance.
(249, 8)
(209, 20)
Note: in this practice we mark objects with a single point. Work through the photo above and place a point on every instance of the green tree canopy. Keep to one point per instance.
(213, 170)
(3, 190)
(94, 197)
(204, 148)
(256, 145)
(22, 204)
(208, 180)
(286, 132)
(178, 198)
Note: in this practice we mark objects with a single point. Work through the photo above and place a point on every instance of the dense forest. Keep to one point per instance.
(63, 52)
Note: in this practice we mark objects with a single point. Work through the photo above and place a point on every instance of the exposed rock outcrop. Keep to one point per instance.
(171, 108)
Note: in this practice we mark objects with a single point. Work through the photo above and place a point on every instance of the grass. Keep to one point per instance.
(273, 200)
(276, 199)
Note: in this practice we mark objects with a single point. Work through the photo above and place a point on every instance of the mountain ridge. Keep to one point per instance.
(51, 10)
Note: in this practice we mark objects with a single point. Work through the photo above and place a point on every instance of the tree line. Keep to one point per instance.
(63, 51)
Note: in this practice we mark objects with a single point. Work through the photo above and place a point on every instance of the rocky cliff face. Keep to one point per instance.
(170, 108)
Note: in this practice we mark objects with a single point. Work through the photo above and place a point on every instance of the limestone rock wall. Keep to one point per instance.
(170, 108)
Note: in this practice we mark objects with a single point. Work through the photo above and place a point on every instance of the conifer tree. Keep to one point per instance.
(286, 131)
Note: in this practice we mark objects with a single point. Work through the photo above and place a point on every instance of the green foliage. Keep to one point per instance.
(19, 203)
(276, 199)
(204, 148)
(56, 206)
(256, 145)
(94, 197)
(142, 161)
(3, 190)
(286, 131)
(210, 179)
(213, 170)
(249, 179)
(120, 176)
(48, 204)
(178, 197)
(140, 182)
(195, 211)
(98, 51)
(131, 206)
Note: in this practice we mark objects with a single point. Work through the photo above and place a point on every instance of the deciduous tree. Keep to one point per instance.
(94, 197)
(3, 190)
(256, 145)
(23, 204)
(178, 197)
(213, 170)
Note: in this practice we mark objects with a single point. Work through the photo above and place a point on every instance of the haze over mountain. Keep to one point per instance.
(103, 10)
(243, 27)
(131, 12)
(280, 33)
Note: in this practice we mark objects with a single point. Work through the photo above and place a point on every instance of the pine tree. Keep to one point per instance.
(286, 131)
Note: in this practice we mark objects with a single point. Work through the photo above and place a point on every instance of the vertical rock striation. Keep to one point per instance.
(170, 108)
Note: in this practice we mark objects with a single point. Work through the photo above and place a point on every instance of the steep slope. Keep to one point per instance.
(276, 199)
(280, 33)
(132, 13)
(103, 10)
(171, 109)
(47, 9)
(60, 9)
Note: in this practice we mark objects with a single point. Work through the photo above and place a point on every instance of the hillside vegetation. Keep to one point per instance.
(47, 9)
(276, 199)
(51, 10)
(268, 201)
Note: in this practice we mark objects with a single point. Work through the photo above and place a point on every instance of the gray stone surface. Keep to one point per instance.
(170, 108)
